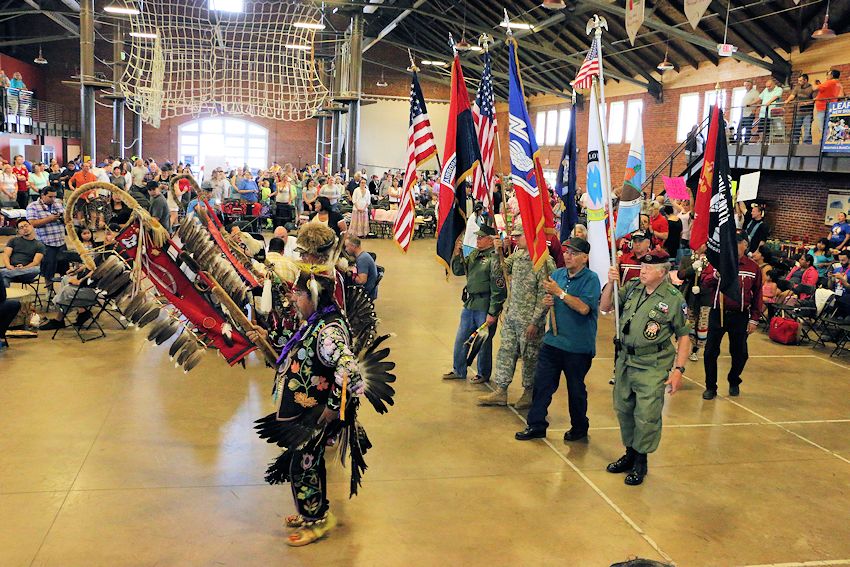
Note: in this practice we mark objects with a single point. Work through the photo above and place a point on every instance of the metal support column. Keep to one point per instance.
(355, 85)
(336, 149)
(137, 135)
(117, 93)
(88, 131)
(320, 132)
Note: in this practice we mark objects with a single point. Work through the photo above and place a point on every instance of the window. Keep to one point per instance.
(738, 94)
(616, 115)
(551, 127)
(223, 142)
(540, 129)
(688, 113)
(712, 98)
(563, 126)
(633, 117)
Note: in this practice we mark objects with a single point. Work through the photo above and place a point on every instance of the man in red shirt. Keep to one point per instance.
(23, 175)
(658, 223)
(740, 318)
(629, 263)
(826, 92)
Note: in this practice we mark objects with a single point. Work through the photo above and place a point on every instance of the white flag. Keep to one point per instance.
(634, 17)
(694, 9)
(598, 187)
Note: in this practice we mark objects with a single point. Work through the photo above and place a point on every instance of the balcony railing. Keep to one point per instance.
(24, 114)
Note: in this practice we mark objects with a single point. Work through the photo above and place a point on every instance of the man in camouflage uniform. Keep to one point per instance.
(653, 312)
(522, 327)
(483, 297)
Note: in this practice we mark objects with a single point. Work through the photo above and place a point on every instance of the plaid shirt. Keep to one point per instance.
(52, 233)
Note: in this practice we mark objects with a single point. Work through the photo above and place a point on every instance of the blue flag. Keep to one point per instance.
(565, 183)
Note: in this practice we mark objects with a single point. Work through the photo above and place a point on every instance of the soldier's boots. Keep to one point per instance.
(497, 397)
(624, 463)
(524, 401)
(639, 470)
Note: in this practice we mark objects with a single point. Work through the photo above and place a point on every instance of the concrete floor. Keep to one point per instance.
(111, 457)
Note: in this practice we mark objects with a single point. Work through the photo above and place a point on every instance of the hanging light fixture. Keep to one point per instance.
(40, 60)
(382, 83)
(824, 32)
(665, 65)
(125, 10)
(554, 4)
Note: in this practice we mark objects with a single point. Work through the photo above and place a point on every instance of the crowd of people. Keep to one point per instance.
(39, 248)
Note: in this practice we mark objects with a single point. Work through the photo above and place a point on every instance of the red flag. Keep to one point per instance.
(462, 156)
(702, 202)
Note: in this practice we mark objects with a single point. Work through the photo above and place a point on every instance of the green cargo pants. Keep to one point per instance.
(638, 401)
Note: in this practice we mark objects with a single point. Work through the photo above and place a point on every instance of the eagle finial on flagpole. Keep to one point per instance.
(485, 40)
(596, 23)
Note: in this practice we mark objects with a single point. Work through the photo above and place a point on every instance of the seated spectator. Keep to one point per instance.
(22, 255)
(87, 238)
(120, 211)
(763, 258)
(8, 311)
(326, 215)
(772, 294)
(158, 205)
(367, 271)
(804, 273)
(284, 267)
(838, 273)
(74, 291)
(290, 249)
(822, 256)
(840, 232)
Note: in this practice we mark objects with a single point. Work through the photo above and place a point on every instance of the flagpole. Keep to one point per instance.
(596, 24)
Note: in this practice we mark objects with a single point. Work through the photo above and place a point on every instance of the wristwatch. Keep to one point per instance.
(680, 369)
(563, 295)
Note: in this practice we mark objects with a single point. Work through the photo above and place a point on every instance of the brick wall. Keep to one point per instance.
(797, 202)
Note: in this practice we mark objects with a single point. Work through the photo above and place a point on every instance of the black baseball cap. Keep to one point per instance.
(639, 235)
(577, 244)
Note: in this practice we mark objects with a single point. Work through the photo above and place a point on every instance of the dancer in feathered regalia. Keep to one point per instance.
(331, 360)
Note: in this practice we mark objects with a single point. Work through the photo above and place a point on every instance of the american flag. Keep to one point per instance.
(420, 148)
(589, 69)
(484, 116)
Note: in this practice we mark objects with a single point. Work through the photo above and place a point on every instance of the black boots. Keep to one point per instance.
(634, 463)
(639, 470)
(624, 463)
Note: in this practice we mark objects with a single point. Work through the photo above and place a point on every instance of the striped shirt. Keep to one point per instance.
(52, 233)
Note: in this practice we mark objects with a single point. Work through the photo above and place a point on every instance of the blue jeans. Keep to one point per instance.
(550, 364)
(469, 321)
(802, 120)
(19, 274)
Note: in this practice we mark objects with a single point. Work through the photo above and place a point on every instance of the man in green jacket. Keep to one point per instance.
(483, 296)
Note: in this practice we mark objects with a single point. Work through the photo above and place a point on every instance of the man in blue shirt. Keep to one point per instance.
(367, 270)
(247, 188)
(573, 292)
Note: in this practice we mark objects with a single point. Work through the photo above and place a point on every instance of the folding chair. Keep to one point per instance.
(87, 307)
(107, 303)
(34, 283)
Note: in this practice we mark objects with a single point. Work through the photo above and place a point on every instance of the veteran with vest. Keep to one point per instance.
(652, 312)
(483, 297)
